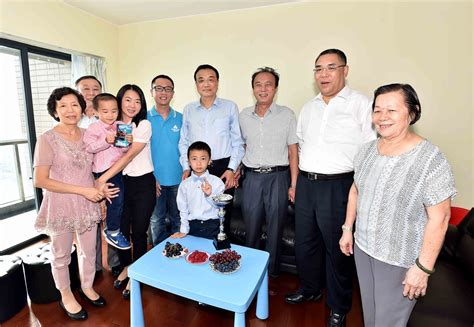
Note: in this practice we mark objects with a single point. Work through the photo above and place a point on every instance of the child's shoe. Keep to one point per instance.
(118, 240)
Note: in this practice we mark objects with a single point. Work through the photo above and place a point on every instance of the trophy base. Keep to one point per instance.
(221, 244)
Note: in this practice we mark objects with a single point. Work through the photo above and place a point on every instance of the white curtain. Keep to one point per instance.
(89, 65)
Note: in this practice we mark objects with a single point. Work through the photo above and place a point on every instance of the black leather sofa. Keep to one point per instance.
(237, 233)
(449, 301)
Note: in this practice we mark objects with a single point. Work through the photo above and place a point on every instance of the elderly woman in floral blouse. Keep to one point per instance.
(63, 169)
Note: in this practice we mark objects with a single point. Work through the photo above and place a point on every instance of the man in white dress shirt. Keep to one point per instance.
(89, 86)
(330, 129)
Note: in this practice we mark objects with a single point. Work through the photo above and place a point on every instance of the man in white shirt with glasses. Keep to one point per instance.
(331, 129)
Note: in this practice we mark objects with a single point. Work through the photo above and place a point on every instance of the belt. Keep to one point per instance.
(266, 170)
(322, 177)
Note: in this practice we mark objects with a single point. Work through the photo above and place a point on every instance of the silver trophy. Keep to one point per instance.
(221, 242)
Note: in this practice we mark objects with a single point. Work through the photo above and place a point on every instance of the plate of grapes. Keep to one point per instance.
(174, 250)
(225, 262)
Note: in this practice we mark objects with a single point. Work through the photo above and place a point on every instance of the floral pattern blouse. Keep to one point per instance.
(69, 163)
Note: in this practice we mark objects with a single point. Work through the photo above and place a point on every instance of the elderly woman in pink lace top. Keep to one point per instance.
(63, 169)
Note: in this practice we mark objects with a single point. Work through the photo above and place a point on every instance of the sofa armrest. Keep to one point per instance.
(465, 254)
(451, 240)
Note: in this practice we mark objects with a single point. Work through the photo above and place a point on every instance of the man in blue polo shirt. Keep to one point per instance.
(166, 126)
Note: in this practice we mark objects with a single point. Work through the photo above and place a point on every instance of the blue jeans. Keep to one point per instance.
(165, 206)
(114, 209)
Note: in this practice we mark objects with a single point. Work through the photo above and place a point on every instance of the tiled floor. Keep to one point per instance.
(17, 229)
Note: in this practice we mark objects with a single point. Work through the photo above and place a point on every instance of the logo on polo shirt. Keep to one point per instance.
(175, 128)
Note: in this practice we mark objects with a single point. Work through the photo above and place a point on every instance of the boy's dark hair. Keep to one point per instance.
(266, 70)
(88, 77)
(142, 114)
(201, 146)
(205, 66)
(162, 76)
(103, 97)
(337, 52)
(58, 94)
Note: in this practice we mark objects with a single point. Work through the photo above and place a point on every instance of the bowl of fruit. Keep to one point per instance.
(197, 257)
(225, 262)
(174, 250)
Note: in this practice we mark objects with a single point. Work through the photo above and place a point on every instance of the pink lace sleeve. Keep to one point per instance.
(43, 152)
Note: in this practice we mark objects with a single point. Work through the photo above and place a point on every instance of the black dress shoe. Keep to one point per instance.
(126, 294)
(81, 315)
(99, 302)
(300, 296)
(118, 284)
(336, 320)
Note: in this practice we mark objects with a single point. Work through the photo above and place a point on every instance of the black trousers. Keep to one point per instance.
(320, 211)
(217, 168)
(139, 202)
(265, 199)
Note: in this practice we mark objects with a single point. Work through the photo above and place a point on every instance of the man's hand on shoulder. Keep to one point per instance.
(186, 174)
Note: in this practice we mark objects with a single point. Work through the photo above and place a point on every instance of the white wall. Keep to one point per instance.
(426, 44)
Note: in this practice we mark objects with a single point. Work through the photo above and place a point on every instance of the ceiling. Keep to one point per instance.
(121, 12)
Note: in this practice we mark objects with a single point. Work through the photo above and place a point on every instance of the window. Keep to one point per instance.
(29, 74)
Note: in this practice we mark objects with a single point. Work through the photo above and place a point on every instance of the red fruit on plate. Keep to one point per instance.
(198, 257)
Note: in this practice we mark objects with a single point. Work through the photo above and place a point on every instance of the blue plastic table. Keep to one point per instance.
(233, 292)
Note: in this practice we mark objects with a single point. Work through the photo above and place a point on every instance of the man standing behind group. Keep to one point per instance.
(166, 126)
(331, 129)
(215, 121)
(271, 157)
(89, 86)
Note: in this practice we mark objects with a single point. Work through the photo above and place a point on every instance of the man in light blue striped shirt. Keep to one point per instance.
(215, 121)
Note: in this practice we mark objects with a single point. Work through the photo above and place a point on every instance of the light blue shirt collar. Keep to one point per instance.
(201, 178)
(215, 104)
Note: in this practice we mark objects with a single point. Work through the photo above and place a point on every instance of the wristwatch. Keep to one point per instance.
(230, 169)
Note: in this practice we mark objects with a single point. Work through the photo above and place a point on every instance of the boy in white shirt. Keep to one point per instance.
(197, 209)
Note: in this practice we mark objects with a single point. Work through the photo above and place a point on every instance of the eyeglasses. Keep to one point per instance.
(167, 89)
(330, 69)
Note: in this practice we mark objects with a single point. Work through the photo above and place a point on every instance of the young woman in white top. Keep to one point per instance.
(140, 186)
